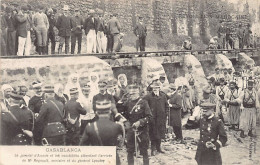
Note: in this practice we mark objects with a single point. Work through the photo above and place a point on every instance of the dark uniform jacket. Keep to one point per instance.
(52, 22)
(35, 103)
(52, 116)
(64, 25)
(140, 29)
(105, 133)
(11, 23)
(10, 127)
(137, 112)
(74, 108)
(159, 108)
(21, 25)
(211, 129)
(90, 25)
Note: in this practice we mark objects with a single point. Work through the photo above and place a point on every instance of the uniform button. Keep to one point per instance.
(59, 131)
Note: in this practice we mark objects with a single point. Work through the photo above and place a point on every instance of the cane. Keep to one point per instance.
(136, 147)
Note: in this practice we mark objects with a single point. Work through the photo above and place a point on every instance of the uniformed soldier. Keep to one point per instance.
(212, 137)
(249, 108)
(138, 113)
(73, 109)
(52, 117)
(17, 123)
(35, 104)
(102, 132)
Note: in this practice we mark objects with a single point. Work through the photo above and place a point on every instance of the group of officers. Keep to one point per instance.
(51, 117)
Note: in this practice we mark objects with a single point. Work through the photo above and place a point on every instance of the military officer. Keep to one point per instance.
(52, 116)
(73, 109)
(212, 137)
(35, 104)
(103, 131)
(138, 113)
(17, 122)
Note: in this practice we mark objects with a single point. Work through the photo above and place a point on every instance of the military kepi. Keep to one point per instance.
(103, 106)
(207, 106)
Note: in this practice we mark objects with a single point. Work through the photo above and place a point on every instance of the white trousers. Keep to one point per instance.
(24, 45)
(101, 42)
(91, 41)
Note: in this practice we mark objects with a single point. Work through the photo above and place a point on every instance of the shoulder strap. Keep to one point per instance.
(57, 108)
(97, 132)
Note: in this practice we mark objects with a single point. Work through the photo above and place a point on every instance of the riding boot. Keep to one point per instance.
(60, 50)
(145, 158)
(40, 50)
(250, 133)
(242, 134)
(158, 146)
(53, 48)
(153, 148)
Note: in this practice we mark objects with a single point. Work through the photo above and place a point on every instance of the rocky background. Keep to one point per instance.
(169, 21)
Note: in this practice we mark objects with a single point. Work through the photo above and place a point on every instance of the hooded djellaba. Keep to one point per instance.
(73, 82)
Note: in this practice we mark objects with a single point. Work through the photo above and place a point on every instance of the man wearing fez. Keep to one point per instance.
(17, 122)
(140, 31)
(64, 25)
(138, 113)
(41, 26)
(233, 103)
(76, 32)
(73, 110)
(158, 104)
(250, 108)
(51, 33)
(90, 27)
(212, 137)
(103, 131)
(52, 117)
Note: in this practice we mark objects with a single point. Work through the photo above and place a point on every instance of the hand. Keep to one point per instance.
(136, 124)
(170, 105)
(210, 145)
(36, 115)
(28, 133)
(137, 36)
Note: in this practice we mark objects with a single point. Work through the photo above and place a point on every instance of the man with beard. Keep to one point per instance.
(73, 110)
(212, 137)
(52, 117)
(5, 101)
(35, 104)
(233, 104)
(138, 113)
(250, 107)
(158, 104)
(17, 122)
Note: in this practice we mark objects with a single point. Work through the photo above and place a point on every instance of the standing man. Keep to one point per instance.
(76, 32)
(52, 116)
(240, 36)
(247, 33)
(11, 44)
(222, 35)
(51, 34)
(64, 25)
(17, 122)
(90, 27)
(233, 104)
(140, 31)
(101, 44)
(6, 90)
(158, 104)
(212, 137)
(250, 107)
(41, 26)
(102, 132)
(114, 29)
(175, 103)
(73, 110)
(138, 113)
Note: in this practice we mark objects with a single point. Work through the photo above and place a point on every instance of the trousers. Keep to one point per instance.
(24, 45)
(76, 37)
(41, 33)
(91, 41)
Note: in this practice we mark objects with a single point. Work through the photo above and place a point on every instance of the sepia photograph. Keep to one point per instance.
(130, 82)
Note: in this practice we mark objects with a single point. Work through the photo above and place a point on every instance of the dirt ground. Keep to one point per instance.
(235, 152)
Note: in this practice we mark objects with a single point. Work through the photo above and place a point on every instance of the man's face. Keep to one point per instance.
(162, 80)
(102, 88)
(49, 95)
(156, 89)
(75, 80)
(205, 95)
(250, 87)
(77, 13)
(207, 113)
(38, 90)
(94, 78)
(232, 86)
(60, 91)
(190, 70)
(23, 91)
(111, 90)
(7, 93)
(121, 80)
(86, 92)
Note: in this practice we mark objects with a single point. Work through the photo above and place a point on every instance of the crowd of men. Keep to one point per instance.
(22, 26)
(101, 112)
